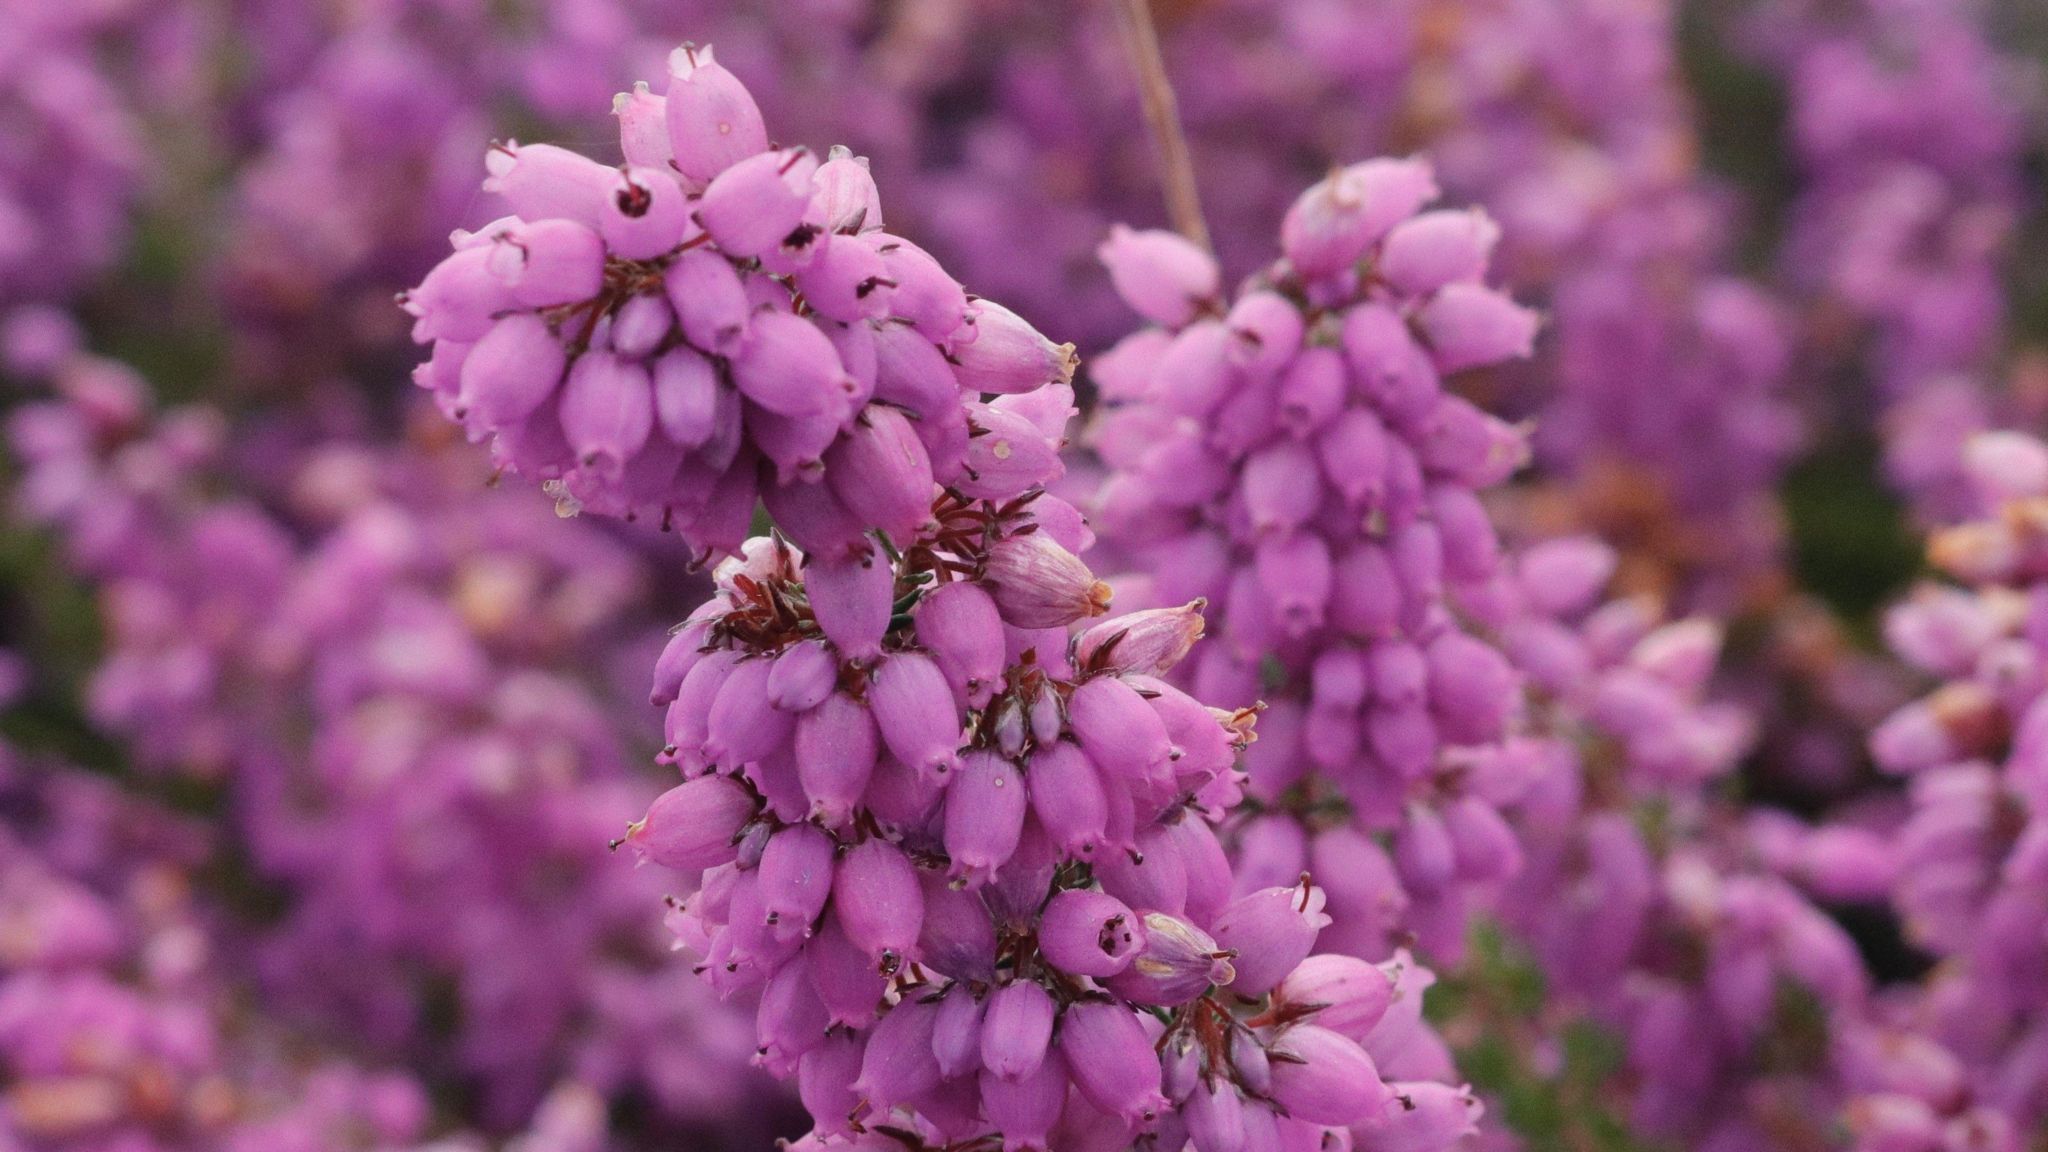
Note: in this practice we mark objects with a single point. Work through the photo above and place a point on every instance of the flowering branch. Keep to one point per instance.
(1162, 119)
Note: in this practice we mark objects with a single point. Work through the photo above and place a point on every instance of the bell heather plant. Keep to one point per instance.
(965, 858)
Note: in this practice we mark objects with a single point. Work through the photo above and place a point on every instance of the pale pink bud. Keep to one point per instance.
(957, 622)
(1067, 794)
(1331, 225)
(1347, 995)
(541, 182)
(933, 302)
(844, 193)
(1469, 325)
(880, 472)
(1111, 1060)
(607, 409)
(846, 281)
(511, 372)
(880, 903)
(1016, 1029)
(1271, 931)
(1323, 1078)
(1008, 355)
(713, 123)
(743, 726)
(549, 262)
(709, 299)
(789, 367)
(796, 879)
(1163, 276)
(643, 214)
(689, 402)
(836, 747)
(1038, 584)
(1144, 643)
(899, 1064)
(1121, 731)
(956, 1034)
(753, 206)
(1433, 249)
(694, 825)
(643, 128)
(802, 676)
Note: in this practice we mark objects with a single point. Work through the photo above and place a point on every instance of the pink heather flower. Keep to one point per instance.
(1090, 934)
(1324, 1078)
(693, 825)
(1301, 466)
(1038, 584)
(1165, 277)
(713, 123)
(1175, 963)
(720, 324)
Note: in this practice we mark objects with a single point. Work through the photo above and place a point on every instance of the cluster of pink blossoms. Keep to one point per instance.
(122, 1025)
(979, 886)
(718, 322)
(965, 857)
(392, 684)
(1970, 882)
(1908, 127)
(1295, 458)
(1698, 934)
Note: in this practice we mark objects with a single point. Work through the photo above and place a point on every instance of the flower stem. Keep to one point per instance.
(1162, 118)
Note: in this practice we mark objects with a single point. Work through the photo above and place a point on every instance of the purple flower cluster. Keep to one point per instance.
(1969, 884)
(389, 683)
(971, 868)
(72, 159)
(1299, 458)
(122, 1024)
(965, 859)
(1567, 121)
(1565, 687)
(1694, 932)
(717, 322)
(360, 152)
(1905, 121)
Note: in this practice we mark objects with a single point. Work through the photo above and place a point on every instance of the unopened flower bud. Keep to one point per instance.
(1038, 584)
(713, 122)
(693, 825)
(1145, 643)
